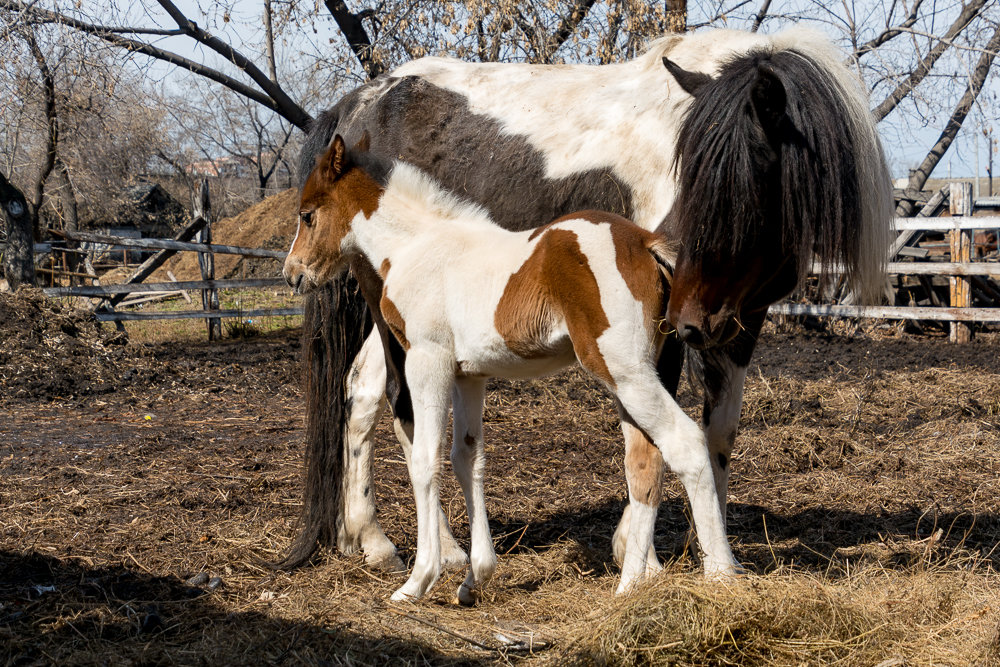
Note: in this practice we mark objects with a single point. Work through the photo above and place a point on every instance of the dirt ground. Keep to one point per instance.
(864, 496)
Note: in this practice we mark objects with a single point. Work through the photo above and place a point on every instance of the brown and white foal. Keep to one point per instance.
(469, 300)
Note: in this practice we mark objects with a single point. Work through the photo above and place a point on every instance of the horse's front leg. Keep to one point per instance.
(469, 462)
(360, 528)
(723, 373)
(430, 374)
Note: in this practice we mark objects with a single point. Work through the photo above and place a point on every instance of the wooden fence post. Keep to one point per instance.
(206, 260)
(961, 251)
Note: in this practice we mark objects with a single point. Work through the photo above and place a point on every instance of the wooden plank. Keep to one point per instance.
(153, 244)
(125, 288)
(173, 279)
(947, 224)
(929, 268)
(196, 314)
(156, 261)
(912, 236)
(961, 252)
(890, 312)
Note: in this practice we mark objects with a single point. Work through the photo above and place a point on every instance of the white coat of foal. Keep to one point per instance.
(469, 300)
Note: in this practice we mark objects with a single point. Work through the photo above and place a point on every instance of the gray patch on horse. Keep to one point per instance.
(470, 154)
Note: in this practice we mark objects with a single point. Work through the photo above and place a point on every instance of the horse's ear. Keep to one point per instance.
(364, 143)
(335, 158)
(691, 82)
(768, 98)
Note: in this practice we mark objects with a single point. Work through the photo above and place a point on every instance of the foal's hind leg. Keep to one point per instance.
(683, 446)
(360, 528)
(668, 368)
(469, 462)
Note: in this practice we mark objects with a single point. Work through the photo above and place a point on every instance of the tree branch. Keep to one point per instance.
(923, 68)
(567, 27)
(278, 102)
(920, 175)
(357, 37)
(889, 33)
(761, 14)
(52, 127)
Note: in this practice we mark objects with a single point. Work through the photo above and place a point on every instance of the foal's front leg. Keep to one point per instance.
(469, 463)
(430, 374)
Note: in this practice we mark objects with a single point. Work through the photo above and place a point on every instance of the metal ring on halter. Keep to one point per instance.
(659, 327)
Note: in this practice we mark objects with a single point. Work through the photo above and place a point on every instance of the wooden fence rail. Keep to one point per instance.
(958, 229)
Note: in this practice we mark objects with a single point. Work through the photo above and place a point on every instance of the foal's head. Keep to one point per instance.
(340, 188)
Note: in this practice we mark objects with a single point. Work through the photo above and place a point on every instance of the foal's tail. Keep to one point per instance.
(333, 331)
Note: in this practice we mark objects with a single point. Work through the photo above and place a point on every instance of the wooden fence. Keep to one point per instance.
(958, 229)
(195, 237)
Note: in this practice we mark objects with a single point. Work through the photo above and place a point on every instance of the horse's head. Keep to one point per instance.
(338, 191)
(777, 163)
(733, 259)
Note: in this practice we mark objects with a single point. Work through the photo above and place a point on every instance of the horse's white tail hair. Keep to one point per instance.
(874, 182)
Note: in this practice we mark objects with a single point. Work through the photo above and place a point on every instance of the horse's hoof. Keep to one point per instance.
(402, 596)
(392, 564)
(467, 597)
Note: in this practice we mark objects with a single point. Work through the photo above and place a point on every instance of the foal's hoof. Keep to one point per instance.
(453, 558)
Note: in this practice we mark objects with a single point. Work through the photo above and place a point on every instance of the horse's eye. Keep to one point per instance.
(306, 217)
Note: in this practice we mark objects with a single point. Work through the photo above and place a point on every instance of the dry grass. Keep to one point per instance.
(863, 500)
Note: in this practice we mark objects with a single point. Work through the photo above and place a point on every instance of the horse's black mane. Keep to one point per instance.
(797, 184)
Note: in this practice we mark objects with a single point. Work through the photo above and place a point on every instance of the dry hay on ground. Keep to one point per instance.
(864, 503)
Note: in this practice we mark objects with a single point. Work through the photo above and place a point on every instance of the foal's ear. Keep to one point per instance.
(335, 159)
(768, 98)
(691, 82)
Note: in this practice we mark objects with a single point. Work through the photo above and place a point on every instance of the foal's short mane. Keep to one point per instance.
(408, 188)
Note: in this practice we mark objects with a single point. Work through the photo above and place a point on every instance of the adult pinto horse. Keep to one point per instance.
(757, 153)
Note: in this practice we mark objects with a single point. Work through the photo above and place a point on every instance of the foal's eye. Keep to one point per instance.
(306, 217)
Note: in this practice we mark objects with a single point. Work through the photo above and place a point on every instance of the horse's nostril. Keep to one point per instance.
(691, 335)
(298, 282)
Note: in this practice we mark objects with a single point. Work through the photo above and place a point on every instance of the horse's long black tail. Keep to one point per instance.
(333, 332)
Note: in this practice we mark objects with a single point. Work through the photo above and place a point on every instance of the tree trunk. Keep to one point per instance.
(920, 175)
(677, 15)
(19, 255)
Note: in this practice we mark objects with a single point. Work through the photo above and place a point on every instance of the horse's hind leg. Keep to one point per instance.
(360, 528)
(469, 462)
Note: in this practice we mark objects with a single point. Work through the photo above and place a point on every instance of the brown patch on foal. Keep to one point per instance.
(643, 464)
(641, 272)
(393, 319)
(555, 280)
